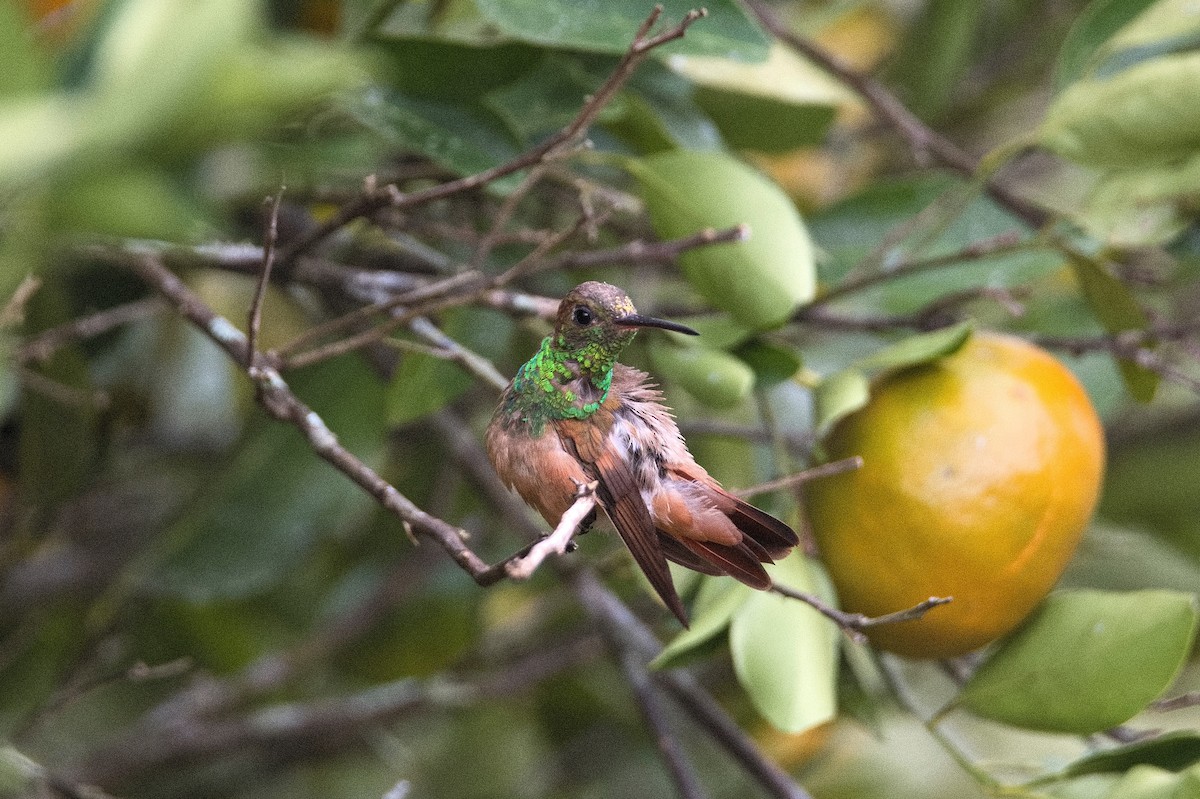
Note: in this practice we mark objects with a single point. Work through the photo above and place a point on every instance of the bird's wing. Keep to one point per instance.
(621, 498)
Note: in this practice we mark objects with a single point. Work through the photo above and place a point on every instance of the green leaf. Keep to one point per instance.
(659, 112)
(158, 57)
(447, 71)
(916, 350)
(850, 234)
(1161, 27)
(1148, 114)
(609, 27)
(760, 282)
(714, 377)
(937, 53)
(544, 99)
(785, 653)
(1172, 751)
(716, 602)
(130, 202)
(772, 363)
(774, 106)
(1114, 305)
(59, 441)
(1085, 661)
(24, 67)
(277, 498)
(1092, 28)
(461, 137)
(837, 396)
(1148, 782)
(718, 331)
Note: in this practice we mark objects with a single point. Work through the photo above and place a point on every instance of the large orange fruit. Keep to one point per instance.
(980, 473)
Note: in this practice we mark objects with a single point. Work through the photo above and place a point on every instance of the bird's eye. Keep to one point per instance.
(581, 315)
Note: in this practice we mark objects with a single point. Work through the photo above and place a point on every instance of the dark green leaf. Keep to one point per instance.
(716, 602)
(1086, 661)
(891, 221)
(277, 498)
(1172, 751)
(916, 350)
(543, 100)
(1114, 305)
(785, 653)
(609, 27)
(1099, 21)
(772, 363)
(447, 71)
(936, 53)
(463, 138)
(657, 112)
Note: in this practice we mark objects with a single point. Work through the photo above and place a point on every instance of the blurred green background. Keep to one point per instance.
(193, 604)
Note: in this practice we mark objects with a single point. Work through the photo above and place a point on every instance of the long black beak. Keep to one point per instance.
(637, 320)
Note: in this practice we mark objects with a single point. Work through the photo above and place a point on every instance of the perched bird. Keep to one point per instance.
(573, 415)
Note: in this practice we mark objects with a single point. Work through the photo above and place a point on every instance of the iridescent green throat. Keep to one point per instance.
(561, 383)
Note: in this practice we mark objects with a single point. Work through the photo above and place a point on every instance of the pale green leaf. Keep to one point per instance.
(785, 653)
(761, 281)
(1086, 661)
(1147, 114)
(716, 602)
(714, 377)
(839, 395)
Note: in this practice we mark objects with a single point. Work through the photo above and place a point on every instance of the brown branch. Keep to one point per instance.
(853, 624)
(260, 289)
(378, 199)
(277, 399)
(1001, 244)
(922, 140)
(705, 711)
(41, 348)
(802, 477)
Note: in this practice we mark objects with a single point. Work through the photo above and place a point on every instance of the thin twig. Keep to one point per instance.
(644, 252)
(41, 348)
(922, 140)
(683, 774)
(1001, 244)
(691, 696)
(802, 477)
(260, 290)
(559, 540)
(1190, 699)
(13, 312)
(377, 199)
(853, 624)
(277, 399)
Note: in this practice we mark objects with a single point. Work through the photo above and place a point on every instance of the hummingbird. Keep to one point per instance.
(573, 415)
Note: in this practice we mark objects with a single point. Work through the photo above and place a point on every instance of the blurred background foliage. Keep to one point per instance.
(170, 553)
